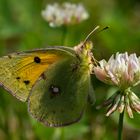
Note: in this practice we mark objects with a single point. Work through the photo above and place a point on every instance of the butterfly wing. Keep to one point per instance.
(19, 71)
(59, 97)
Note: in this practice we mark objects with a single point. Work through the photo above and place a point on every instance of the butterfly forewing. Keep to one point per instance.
(19, 71)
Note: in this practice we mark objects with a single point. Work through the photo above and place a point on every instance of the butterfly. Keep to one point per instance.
(55, 81)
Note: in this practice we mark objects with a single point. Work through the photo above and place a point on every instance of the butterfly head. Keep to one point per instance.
(84, 50)
(84, 53)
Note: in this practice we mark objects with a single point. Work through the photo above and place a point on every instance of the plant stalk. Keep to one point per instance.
(64, 30)
(120, 126)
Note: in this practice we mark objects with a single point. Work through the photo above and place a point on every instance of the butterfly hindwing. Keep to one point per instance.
(59, 97)
(19, 71)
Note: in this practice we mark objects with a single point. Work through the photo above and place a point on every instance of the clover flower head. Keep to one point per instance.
(123, 71)
(64, 14)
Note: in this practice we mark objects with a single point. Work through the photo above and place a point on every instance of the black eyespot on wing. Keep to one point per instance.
(37, 59)
(17, 78)
(27, 82)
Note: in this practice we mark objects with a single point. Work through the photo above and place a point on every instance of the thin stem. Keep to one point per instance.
(62, 134)
(64, 30)
(120, 126)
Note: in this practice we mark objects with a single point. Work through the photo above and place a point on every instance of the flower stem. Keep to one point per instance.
(120, 126)
(64, 30)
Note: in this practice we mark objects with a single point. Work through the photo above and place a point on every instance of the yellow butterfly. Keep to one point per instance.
(54, 81)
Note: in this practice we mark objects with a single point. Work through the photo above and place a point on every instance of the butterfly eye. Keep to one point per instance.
(37, 59)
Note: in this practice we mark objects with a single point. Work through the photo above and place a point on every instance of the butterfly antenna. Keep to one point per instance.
(104, 29)
(93, 31)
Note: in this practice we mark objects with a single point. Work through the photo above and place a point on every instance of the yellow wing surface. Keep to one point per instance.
(19, 71)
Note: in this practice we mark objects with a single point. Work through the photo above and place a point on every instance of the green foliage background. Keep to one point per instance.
(22, 28)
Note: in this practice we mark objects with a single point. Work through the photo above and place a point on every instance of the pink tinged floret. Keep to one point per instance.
(129, 111)
(100, 74)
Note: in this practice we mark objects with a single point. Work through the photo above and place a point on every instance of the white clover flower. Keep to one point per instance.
(123, 71)
(64, 14)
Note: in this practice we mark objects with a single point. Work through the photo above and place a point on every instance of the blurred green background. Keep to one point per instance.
(22, 28)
